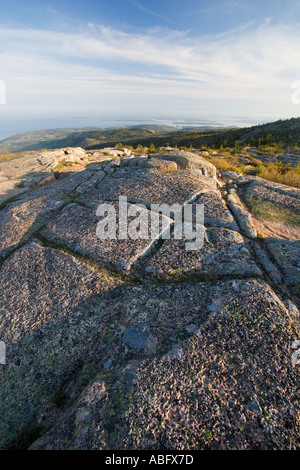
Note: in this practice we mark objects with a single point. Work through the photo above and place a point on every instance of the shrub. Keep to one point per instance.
(152, 149)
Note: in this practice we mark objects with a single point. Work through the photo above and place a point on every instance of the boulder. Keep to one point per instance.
(188, 160)
(116, 152)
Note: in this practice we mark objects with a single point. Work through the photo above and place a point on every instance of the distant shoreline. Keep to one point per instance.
(9, 128)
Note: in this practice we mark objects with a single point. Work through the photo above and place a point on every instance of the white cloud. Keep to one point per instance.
(151, 12)
(99, 64)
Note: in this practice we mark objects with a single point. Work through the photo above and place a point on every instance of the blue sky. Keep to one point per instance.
(181, 58)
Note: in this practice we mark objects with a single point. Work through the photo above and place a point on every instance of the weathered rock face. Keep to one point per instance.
(140, 343)
(21, 217)
(275, 193)
(116, 152)
(285, 253)
(16, 176)
(259, 188)
(223, 254)
(188, 160)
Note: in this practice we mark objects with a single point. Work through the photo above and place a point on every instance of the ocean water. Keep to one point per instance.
(11, 126)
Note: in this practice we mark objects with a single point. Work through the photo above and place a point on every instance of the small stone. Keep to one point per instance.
(108, 364)
(254, 406)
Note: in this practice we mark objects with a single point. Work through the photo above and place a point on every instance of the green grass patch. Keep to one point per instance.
(62, 165)
(265, 210)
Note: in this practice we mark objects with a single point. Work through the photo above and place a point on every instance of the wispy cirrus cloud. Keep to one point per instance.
(152, 13)
(227, 6)
(99, 64)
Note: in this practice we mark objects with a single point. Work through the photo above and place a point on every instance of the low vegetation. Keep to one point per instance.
(266, 210)
(62, 165)
(272, 139)
(276, 172)
(279, 173)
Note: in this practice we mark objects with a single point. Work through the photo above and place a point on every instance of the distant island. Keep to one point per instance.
(275, 135)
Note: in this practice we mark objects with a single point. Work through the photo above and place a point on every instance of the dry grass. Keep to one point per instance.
(265, 210)
(62, 165)
(276, 172)
(227, 163)
(280, 174)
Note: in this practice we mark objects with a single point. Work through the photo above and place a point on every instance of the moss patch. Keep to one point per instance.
(266, 210)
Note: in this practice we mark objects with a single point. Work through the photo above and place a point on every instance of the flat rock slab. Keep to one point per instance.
(99, 360)
(216, 213)
(232, 387)
(25, 165)
(223, 254)
(31, 170)
(187, 160)
(39, 162)
(116, 152)
(29, 211)
(76, 227)
(287, 159)
(83, 428)
(147, 161)
(50, 322)
(257, 187)
(10, 189)
(287, 256)
(152, 187)
(222, 372)
(282, 196)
